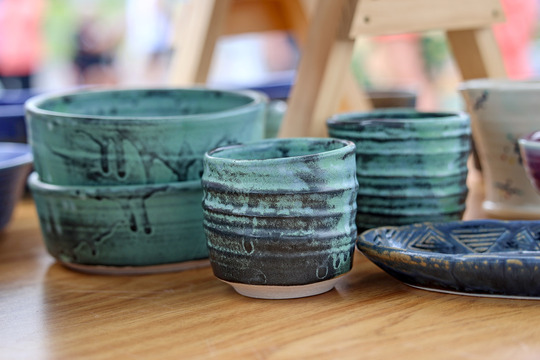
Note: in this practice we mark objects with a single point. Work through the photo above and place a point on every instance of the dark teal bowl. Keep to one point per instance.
(136, 226)
(279, 215)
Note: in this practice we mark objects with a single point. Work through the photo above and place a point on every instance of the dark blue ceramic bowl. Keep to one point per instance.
(15, 165)
(278, 90)
(12, 126)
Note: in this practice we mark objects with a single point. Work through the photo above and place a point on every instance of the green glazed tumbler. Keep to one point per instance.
(411, 166)
(279, 215)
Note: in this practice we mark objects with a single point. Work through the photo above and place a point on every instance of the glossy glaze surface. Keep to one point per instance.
(136, 225)
(139, 136)
(411, 166)
(481, 257)
(280, 212)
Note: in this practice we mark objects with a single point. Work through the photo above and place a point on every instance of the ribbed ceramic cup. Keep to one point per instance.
(501, 112)
(122, 229)
(279, 215)
(137, 136)
(411, 166)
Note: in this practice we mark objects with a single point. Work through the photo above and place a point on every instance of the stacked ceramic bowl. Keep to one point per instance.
(411, 166)
(117, 182)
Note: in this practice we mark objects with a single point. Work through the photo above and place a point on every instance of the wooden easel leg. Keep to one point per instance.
(332, 88)
(200, 25)
(476, 53)
(325, 61)
(298, 14)
(297, 19)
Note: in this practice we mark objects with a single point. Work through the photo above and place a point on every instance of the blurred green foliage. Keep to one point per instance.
(435, 52)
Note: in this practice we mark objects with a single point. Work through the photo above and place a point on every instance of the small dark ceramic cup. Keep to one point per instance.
(411, 166)
(137, 136)
(279, 215)
(122, 229)
(529, 147)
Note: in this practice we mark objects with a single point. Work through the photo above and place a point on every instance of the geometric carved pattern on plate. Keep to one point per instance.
(525, 240)
(535, 235)
(478, 242)
(431, 240)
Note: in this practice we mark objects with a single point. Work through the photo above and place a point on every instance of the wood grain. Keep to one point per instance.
(382, 17)
(476, 53)
(324, 64)
(198, 25)
(50, 312)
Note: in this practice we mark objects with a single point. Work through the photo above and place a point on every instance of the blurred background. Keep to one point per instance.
(55, 44)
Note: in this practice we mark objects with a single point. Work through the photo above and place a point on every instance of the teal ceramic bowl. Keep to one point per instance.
(137, 136)
(279, 215)
(116, 229)
(411, 166)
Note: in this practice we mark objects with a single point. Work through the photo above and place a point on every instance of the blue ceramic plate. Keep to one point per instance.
(481, 257)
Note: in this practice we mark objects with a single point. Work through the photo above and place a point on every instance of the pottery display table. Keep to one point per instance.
(50, 312)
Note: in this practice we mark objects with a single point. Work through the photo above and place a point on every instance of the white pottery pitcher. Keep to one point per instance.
(502, 111)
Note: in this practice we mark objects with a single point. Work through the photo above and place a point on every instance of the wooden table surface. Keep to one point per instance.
(50, 312)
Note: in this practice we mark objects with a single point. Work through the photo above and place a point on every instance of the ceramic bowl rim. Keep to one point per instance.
(36, 184)
(366, 117)
(25, 157)
(500, 84)
(526, 142)
(32, 105)
(348, 146)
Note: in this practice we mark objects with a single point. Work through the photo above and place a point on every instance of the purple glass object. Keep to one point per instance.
(529, 147)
